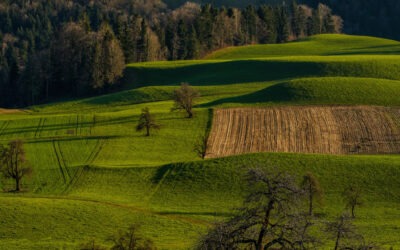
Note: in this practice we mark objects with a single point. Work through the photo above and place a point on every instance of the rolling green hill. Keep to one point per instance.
(321, 91)
(325, 45)
(94, 174)
(216, 72)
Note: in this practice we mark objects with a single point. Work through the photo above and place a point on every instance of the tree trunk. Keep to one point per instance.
(261, 235)
(47, 89)
(337, 241)
(17, 185)
(352, 211)
(147, 131)
(310, 209)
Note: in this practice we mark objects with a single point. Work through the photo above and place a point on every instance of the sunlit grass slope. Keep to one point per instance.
(321, 91)
(106, 139)
(331, 44)
(94, 174)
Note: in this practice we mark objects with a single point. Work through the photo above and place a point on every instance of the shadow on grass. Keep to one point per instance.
(65, 126)
(216, 214)
(161, 173)
(372, 50)
(70, 139)
(282, 92)
(130, 97)
(229, 72)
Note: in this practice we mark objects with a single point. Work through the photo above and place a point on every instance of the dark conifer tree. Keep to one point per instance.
(143, 43)
(182, 35)
(282, 24)
(193, 45)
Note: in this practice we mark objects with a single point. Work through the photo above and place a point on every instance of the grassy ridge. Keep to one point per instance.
(321, 91)
(257, 70)
(316, 45)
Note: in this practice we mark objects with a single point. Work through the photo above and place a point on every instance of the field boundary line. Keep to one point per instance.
(76, 124)
(63, 159)
(96, 151)
(159, 184)
(74, 179)
(40, 127)
(60, 160)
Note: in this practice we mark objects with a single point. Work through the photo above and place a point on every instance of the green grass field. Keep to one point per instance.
(94, 174)
(325, 45)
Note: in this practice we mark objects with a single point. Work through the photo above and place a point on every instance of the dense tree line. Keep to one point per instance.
(70, 48)
(367, 17)
(361, 17)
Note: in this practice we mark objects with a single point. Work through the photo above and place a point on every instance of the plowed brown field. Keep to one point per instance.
(324, 130)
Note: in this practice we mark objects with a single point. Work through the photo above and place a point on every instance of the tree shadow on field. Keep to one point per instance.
(228, 72)
(372, 50)
(216, 214)
(282, 92)
(71, 139)
(161, 173)
(65, 126)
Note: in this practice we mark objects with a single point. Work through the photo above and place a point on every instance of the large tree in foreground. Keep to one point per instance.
(270, 217)
(147, 122)
(184, 98)
(13, 162)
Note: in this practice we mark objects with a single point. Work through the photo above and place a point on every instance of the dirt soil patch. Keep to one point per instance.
(322, 130)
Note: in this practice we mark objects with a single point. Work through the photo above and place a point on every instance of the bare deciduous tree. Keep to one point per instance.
(184, 99)
(346, 236)
(313, 190)
(352, 197)
(270, 217)
(147, 121)
(342, 228)
(91, 245)
(13, 162)
(130, 240)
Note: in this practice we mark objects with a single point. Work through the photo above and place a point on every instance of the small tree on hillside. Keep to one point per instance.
(91, 245)
(147, 121)
(313, 190)
(352, 197)
(131, 240)
(184, 99)
(13, 162)
(344, 233)
(201, 146)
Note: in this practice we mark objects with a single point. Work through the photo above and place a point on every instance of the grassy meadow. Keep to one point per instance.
(93, 174)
